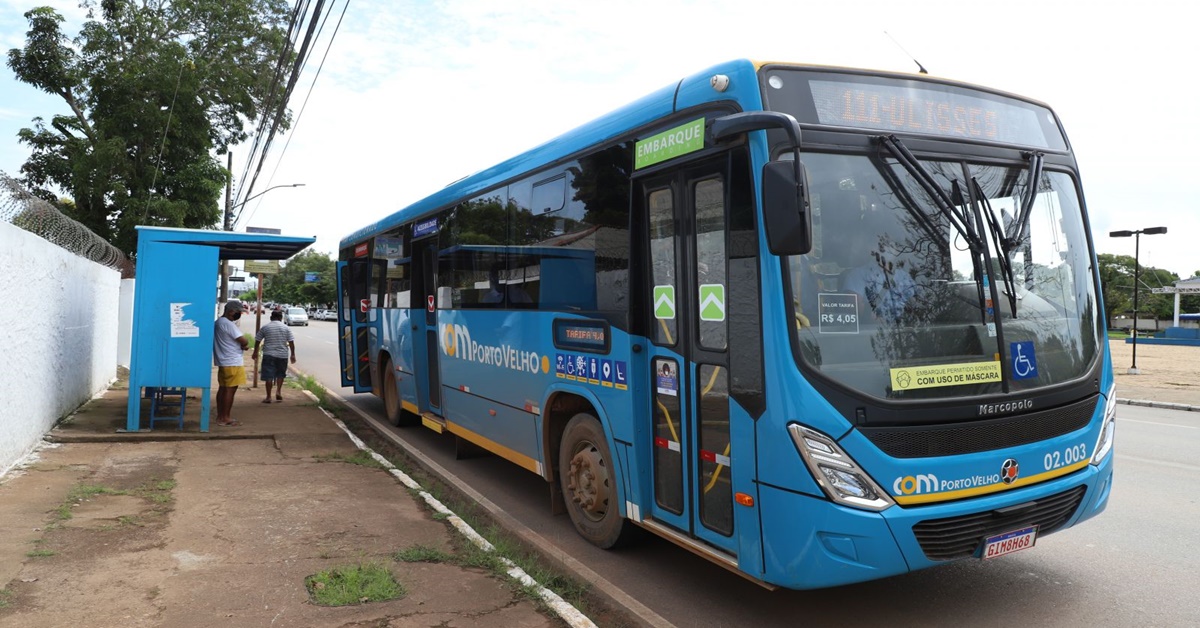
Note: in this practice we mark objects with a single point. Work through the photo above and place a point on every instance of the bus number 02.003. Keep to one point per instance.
(1066, 457)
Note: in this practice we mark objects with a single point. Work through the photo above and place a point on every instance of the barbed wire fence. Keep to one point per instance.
(24, 210)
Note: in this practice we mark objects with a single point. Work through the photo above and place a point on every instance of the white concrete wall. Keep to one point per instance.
(125, 324)
(60, 328)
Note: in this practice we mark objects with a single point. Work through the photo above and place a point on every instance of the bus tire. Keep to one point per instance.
(391, 396)
(589, 483)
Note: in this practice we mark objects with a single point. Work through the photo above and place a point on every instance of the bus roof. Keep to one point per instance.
(690, 91)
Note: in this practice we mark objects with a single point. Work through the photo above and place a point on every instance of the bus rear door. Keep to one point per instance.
(358, 319)
(425, 327)
(685, 292)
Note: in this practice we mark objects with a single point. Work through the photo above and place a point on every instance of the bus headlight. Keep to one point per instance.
(837, 474)
(1104, 444)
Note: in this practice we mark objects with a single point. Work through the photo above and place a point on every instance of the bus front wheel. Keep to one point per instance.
(589, 483)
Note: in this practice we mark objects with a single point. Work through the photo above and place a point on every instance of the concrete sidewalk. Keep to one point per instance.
(182, 528)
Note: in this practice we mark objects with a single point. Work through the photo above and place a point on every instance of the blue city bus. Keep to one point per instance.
(818, 325)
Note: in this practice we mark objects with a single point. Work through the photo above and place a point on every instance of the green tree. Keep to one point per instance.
(1116, 280)
(153, 88)
(289, 285)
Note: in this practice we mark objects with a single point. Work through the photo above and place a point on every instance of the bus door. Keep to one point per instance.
(685, 289)
(424, 326)
(358, 320)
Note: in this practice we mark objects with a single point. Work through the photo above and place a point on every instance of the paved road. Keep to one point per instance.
(1138, 564)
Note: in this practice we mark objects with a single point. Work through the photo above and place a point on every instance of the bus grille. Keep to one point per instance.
(976, 436)
(960, 537)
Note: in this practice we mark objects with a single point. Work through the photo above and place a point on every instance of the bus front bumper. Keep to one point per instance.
(812, 543)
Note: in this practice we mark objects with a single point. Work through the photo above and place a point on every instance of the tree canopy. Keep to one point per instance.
(154, 89)
(289, 286)
(1116, 279)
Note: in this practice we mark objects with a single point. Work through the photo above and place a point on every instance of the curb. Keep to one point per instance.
(1183, 407)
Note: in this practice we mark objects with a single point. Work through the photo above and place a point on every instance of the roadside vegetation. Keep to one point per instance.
(353, 584)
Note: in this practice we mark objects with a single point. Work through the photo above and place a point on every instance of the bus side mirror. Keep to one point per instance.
(786, 215)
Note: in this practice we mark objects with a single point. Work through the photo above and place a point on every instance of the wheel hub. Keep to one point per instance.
(589, 481)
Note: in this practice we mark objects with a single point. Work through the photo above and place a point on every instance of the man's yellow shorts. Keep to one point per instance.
(231, 376)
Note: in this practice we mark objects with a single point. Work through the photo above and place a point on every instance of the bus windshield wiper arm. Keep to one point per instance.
(1021, 224)
(935, 192)
(1003, 254)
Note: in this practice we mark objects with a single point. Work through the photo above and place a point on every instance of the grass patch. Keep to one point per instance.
(5, 598)
(310, 383)
(353, 584)
(360, 458)
(423, 554)
(81, 492)
(157, 491)
(41, 553)
(78, 494)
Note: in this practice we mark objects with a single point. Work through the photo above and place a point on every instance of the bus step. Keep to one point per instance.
(433, 422)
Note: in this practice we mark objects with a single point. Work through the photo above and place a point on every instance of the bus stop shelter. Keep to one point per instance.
(174, 309)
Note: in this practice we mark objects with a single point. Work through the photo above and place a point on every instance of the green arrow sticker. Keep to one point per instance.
(712, 302)
(664, 302)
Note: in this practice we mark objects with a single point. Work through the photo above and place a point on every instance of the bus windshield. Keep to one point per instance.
(909, 296)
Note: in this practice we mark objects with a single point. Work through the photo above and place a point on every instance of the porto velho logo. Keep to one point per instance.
(924, 483)
(456, 342)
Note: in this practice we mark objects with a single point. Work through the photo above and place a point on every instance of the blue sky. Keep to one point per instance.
(416, 94)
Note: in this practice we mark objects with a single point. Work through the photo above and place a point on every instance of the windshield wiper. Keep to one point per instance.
(940, 199)
(1031, 190)
(1003, 254)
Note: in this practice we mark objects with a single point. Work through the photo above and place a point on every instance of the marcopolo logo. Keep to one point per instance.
(456, 343)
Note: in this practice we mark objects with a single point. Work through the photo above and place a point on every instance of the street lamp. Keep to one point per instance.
(1133, 369)
(229, 208)
(228, 225)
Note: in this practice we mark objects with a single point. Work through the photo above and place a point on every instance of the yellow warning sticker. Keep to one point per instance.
(914, 377)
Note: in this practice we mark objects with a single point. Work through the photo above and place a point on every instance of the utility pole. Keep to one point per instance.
(227, 226)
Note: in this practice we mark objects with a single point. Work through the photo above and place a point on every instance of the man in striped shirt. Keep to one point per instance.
(278, 345)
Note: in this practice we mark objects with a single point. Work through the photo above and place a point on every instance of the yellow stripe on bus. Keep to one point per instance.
(990, 488)
(511, 455)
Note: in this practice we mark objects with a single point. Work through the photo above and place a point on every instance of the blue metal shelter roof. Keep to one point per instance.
(232, 244)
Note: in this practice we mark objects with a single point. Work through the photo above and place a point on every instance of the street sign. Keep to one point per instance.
(263, 230)
(262, 267)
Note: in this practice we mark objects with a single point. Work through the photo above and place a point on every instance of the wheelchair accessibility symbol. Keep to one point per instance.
(1024, 361)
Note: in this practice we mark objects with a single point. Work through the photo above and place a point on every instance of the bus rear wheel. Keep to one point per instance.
(589, 483)
(391, 396)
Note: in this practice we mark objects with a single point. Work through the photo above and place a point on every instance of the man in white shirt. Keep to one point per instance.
(228, 345)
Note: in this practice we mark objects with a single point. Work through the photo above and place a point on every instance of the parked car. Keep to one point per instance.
(295, 316)
(325, 315)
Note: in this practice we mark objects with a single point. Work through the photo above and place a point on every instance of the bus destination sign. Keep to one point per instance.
(929, 110)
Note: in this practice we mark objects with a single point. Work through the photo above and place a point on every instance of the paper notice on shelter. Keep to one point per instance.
(182, 327)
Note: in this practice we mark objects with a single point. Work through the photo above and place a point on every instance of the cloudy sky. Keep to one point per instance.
(415, 94)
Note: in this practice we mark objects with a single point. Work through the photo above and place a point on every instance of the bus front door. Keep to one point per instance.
(684, 291)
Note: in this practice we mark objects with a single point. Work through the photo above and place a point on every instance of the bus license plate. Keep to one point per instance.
(1009, 542)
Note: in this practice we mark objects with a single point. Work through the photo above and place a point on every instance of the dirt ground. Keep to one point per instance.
(1167, 373)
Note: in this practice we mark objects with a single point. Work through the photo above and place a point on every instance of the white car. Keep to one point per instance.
(325, 315)
(295, 316)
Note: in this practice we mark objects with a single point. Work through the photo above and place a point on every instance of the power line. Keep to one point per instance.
(308, 95)
(269, 102)
(280, 112)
